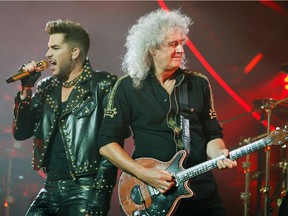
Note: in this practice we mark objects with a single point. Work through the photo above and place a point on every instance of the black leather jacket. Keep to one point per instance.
(79, 123)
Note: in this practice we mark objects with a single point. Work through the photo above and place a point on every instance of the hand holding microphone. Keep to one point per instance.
(29, 73)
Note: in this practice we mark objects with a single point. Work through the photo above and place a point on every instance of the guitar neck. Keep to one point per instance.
(212, 164)
(250, 148)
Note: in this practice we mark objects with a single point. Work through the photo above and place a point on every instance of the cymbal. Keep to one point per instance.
(279, 108)
(270, 102)
(265, 103)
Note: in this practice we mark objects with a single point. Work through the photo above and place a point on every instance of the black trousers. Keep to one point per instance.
(210, 206)
(63, 198)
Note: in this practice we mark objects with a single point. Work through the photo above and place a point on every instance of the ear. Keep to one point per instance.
(152, 51)
(75, 53)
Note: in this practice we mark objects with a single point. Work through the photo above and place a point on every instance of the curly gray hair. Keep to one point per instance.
(148, 33)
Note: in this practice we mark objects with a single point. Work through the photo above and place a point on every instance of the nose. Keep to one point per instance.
(179, 48)
(48, 53)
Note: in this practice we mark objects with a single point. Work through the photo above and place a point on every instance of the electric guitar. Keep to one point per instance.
(139, 199)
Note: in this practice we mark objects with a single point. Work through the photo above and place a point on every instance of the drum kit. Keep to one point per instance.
(279, 108)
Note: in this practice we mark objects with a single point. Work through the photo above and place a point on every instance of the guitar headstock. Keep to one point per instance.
(279, 136)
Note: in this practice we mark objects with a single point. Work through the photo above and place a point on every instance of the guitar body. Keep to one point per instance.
(137, 198)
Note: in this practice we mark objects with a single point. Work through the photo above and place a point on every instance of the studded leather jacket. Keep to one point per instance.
(79, 123)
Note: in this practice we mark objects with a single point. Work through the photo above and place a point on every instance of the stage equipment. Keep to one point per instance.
(282, 186)
(267, 105)
(245, 196)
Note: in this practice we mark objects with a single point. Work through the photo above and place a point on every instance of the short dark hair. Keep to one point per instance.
(73, 32)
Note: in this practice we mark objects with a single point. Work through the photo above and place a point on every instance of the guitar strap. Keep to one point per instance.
(184, 114)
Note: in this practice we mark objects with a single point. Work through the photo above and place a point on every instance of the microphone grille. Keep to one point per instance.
(42, 65)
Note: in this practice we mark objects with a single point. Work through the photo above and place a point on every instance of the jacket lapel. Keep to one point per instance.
(80, 90)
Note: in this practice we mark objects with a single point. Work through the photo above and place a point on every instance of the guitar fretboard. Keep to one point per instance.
(212, 164)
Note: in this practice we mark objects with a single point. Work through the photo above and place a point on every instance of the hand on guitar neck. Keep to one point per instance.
(217, 149)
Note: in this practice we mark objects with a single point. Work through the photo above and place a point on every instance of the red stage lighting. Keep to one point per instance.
(286, 83)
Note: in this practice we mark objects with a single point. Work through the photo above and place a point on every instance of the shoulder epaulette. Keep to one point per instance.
(213, 113)
(110, 110)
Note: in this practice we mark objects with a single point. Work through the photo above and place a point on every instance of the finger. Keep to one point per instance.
(31, 66)
(228, 163)
(166, 176)
(163, 189)
(221, 164)
(34, 63)
(166, 185)
(226, 152)
(232, 163)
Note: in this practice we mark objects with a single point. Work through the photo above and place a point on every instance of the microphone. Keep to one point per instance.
(40, 66)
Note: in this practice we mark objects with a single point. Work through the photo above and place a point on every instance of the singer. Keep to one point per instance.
(64, 116)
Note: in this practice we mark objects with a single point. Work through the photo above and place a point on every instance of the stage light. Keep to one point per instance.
(286, 83)
(6, 204)
(284, 71)
(252, 64)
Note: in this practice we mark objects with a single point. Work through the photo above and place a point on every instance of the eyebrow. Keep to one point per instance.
(175, 41)
(54, 46)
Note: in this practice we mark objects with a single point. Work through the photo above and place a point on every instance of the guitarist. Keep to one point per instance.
(146, 101)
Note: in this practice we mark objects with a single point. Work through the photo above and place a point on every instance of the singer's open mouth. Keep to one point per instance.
(52, 63)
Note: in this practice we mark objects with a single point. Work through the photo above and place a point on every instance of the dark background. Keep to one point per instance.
(227, 34)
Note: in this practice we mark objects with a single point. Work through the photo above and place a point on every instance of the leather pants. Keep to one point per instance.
(63, 197)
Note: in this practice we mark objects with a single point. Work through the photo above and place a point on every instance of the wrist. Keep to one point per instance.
(25, 92)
